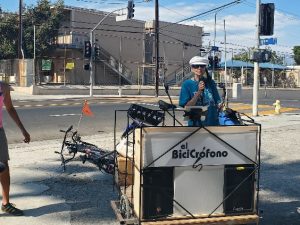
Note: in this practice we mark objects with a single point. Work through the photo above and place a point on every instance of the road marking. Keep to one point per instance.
(240, 107)
(61, 115)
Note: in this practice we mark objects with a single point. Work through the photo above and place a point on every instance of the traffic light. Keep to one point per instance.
(216, 62)
(86, 66)
(211, 61)
(266, 56)
(130, 9)
(87, 49)
(266, 19)
(97, 51)
(255, 56)
(261, 56)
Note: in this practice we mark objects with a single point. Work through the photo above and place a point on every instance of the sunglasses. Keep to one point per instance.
(198, 66)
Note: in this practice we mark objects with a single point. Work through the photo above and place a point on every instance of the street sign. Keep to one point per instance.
(268, 41)
(46, 64)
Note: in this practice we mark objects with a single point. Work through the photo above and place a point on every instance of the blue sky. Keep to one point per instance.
(240, 18)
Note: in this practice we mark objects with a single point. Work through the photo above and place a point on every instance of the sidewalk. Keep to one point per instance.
(82, 194)
(24, 96)
(83, 91)
(21, 96)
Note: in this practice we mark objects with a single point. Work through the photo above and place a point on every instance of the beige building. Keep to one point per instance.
(293, 75)
(126, 49)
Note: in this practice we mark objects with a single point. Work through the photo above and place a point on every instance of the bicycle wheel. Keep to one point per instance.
(125, 208)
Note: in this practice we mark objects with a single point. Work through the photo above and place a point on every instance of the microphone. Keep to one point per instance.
(202, 79)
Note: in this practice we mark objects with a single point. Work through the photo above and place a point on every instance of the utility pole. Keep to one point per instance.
(34, 57)
(20, 46)
(215, 34)
(256, 64)
(225, 72)
(156, 47)
(214, 52)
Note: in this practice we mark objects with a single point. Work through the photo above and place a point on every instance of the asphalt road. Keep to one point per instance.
(44, 118)
(46, 122)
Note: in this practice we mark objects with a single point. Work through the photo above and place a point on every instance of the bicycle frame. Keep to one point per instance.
(103, 159)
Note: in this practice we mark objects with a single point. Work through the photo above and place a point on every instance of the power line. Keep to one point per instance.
(95, 2)
(201, 14)
(171, 10)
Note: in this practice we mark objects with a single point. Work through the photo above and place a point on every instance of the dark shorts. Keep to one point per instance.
(3, 146)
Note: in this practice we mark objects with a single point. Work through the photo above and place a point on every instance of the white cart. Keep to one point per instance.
(189, 175)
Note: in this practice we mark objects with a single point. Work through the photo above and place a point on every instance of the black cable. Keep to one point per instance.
(200, 14)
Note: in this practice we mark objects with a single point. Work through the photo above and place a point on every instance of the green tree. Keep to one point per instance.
(44, 16)
(296, 51)
(275, 58)
(242, 56)
(8, 36)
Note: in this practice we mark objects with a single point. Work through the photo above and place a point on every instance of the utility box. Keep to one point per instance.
(236, 90)
(26, 72)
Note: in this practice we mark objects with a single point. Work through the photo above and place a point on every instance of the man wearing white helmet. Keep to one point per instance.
(201, 91)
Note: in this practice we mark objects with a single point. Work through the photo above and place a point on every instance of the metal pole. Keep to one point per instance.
(120, 60)
(183, 60)
(33, 69)
(91, 64)
(214, 52)
(273, 78)
(225, 75)
(65, 59)
(139, 84)
(156, 47)
(92, 51)
(256, 65)
(20, 30)
(232, 54)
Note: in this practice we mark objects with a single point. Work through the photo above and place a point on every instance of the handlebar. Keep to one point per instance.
(68, 130)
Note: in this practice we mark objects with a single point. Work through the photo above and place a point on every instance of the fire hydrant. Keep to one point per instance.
(120, 92)
(277, 107)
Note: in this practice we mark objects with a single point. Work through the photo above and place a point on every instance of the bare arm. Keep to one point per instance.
(197, 95)
(13, 113)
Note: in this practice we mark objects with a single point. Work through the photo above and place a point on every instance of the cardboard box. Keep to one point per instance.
(122, 173)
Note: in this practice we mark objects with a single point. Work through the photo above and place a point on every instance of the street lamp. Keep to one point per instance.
(215, 33)
(92, 50)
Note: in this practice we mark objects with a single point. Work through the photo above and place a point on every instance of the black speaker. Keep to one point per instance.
(242, 199)
(158, 192)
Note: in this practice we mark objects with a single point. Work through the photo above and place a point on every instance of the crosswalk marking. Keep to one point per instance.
(61, 115)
